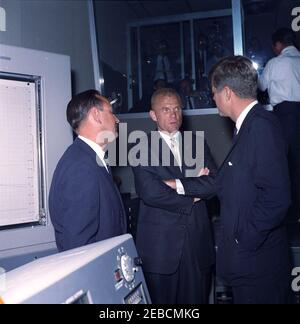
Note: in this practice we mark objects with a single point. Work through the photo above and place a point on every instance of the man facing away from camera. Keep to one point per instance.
(253, 187)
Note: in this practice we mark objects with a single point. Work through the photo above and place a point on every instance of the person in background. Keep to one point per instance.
(190, 98)
(144, 104)
(84, 202)
(281, 77)
(163, 68)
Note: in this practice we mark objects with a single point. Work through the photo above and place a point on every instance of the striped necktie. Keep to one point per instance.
(175, 151)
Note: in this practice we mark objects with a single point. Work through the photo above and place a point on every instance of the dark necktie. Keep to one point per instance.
(107, 162)
(189, 102)
(235, 132)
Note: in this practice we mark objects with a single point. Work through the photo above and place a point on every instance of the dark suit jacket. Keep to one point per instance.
(254, 192)
(85, 204)
(167, 218)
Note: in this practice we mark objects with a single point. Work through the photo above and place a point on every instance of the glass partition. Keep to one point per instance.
(175, 51)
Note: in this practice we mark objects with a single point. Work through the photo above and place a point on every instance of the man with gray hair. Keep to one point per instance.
(253, 187)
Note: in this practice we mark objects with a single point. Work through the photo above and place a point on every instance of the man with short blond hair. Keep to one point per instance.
(174, 237)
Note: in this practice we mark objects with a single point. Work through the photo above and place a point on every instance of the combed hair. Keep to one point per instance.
(283, 35)
(237, 73)
(165, 92)
(80, 105)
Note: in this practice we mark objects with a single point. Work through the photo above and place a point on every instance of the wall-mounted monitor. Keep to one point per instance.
(35, 88)
(21, 168)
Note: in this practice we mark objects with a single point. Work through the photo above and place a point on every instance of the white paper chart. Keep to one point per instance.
(19, 173)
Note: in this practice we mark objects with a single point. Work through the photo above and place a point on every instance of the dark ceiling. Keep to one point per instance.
(146, 9)
(143, 9)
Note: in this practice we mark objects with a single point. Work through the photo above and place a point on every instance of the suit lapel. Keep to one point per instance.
(172, 167)
(98, 163)
(244, 126)
(164, 149)
(103, 173)
(93, 156)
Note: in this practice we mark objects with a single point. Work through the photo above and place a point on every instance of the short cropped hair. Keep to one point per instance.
(237, 73)
(285, 36)
(165, 92)
(80, 105)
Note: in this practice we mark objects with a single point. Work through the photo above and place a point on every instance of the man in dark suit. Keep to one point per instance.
(174, 236)
(84, 202)
(253, 187)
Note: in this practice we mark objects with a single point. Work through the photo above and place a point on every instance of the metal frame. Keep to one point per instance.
(42, 195)
(182, 50)
(97, 67)
(139, 62)
(129, 67)
(237, 23)
(235, 12)
(192, 112)
(193, 53)
(190, 17)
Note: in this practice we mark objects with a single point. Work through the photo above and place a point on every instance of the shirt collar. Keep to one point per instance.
(288, 49)
(243, 115)
(94, 146)
(168, 137)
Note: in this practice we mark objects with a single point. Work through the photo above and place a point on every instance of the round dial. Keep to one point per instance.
(127, 267)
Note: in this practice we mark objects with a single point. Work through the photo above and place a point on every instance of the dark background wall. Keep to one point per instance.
(59, 26)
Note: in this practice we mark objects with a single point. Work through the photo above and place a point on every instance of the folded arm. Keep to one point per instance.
(202, 187)
(155, 193)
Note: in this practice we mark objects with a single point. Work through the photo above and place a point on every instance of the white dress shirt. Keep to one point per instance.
(171, 140)
(163, 69)
(281, 77)
(243, 115)
(97, 148)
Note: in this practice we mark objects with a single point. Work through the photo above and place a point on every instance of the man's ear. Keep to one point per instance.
(228, 93)
(95, 115)
(153, 115)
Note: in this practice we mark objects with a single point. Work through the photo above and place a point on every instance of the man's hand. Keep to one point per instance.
(203, 171)
(171, 183)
